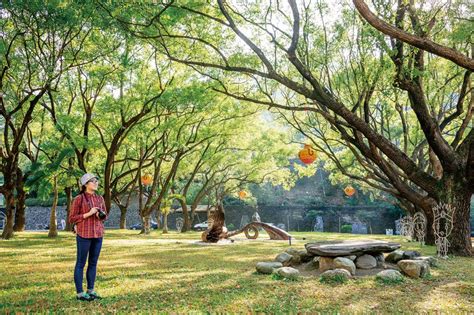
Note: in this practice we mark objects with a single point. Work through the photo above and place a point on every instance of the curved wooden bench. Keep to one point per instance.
(251, 231)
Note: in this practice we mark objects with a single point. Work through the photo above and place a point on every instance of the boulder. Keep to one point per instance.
(394, 256)
(297, 255)
(350, 247)
(288, 273)
(310, 266)
(305, 256)
(326, 263)
(336, 274)
(366, 262)
(351, 257)
(284, 258)
(411, 254)
(432, 261)
(380, 258)
(268, 267)
(345, 263)
(315, 261)
(414, 268)
(296, 260)
(390, 275)
(292, 251)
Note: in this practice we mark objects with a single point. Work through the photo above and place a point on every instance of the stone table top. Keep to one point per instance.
(350, 247)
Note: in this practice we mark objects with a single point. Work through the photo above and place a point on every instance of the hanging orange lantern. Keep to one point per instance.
(349, 191)
(307, 155)
(147, 179)
(242, 194)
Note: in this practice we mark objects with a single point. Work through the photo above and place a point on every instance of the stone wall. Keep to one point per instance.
(37, 218)
(295, 217)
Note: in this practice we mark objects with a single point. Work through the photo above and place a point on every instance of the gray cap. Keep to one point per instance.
(87, 177)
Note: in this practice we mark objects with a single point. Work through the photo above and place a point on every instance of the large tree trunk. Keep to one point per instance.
(427, 209)
(141, 210)
(10, 213)
(159, 219)
(430, 236)
(20, 221)
(145, 225)
(68, 191)
(165, 223)
(123, 217)
(53, 227)
(457, 194)
(193, 215)
(187, 221)
(107, 182)
(9, 193)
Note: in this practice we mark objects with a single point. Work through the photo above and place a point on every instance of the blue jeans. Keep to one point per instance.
(91, 247)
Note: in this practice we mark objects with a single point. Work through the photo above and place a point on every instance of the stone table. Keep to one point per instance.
(350, 247)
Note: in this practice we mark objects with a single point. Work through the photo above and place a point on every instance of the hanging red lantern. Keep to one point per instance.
(242, 194)
(307, 155)
(349, 191)
(147, 179)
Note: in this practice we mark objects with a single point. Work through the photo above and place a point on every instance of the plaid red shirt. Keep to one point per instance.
(91, 227)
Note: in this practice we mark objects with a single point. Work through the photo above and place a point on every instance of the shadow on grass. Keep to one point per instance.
(144, 276)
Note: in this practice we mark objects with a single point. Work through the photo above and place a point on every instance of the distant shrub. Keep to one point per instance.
(346, 228)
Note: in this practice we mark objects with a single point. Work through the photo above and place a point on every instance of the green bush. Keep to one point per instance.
(278, 277)
(390, 281)
(336, 279)
(346, 228)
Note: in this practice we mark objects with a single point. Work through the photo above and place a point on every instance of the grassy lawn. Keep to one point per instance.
(169, 273)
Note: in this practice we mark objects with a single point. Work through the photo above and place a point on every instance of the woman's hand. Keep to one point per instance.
(91, 212)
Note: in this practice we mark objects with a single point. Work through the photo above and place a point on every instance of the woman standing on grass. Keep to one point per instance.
(88, 214)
